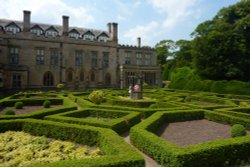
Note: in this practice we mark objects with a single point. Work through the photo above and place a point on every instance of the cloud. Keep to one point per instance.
(46, 11)
(146, 32)
(175, 11)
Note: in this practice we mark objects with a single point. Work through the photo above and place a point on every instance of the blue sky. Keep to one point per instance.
(152, 20)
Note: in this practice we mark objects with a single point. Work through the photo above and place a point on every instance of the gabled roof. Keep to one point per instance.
(74, 31)
(12, 23)
(102, 34)
(51, 28)
(58, 28)
(89, 32)
(36, 26)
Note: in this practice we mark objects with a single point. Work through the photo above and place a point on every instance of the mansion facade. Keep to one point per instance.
(34, 55)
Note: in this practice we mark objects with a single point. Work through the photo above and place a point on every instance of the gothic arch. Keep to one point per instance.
(48, 79)
(107, 79)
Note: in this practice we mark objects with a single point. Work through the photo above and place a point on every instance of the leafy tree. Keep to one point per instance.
(221, 46)
(164, 49)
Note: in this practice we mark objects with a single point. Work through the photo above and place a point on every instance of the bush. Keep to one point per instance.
(238, 130)
(60, 86)
(19, 105)
(46, 104)
(9, 112)
(96, 97)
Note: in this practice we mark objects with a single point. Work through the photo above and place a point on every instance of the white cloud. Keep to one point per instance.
(175, 11)
(46, 11)
(146, 32)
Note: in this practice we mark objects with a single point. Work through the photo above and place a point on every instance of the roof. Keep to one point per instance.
(59, 28)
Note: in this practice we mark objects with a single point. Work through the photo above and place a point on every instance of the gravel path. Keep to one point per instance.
(194, 132)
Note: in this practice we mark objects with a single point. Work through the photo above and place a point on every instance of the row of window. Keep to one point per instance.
(48, 79)
(139, 58)
(54, 54)
(103, 37)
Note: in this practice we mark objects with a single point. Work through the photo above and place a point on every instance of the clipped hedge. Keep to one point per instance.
(117, 153)
(224, 152)
(67, 106)
(120, 121)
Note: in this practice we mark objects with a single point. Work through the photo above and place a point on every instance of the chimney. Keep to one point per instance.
(139, 42)
(65, 25)
(26, 21)
(114, 32)
(109, 28)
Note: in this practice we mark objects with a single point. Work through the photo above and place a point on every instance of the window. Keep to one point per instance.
(53, 56)
(48, 79)
(127, 57)
(138, 58)
(82, 76)
(12, 28)
(16, 81)
(88, 36)
(92, 77)
(103, 38)
(105, 59)
(147, 59)
(93, 59)
(39, 56)
(78, 58)
(51, 32)
(14, 55)
(74, 35)
(36, 31)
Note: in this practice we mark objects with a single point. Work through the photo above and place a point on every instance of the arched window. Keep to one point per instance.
(70, 76)
(107, 79)
(92, 77)
(82, 76)
(48, 79)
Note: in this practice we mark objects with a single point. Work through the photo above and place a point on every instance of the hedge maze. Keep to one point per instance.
(73, 117)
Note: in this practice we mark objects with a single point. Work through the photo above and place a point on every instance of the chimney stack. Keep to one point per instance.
(65, 25)
(26, 21)
(114, 32)
(109, 28)
(139, 42)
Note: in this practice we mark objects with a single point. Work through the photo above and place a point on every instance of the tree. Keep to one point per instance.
(164, 49)
(221, 46)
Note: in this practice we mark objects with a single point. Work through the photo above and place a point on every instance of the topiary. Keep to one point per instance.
(19, 105)
(46, 104)
(238, 130)
(154, 106)
(96, 97)
(9, 112)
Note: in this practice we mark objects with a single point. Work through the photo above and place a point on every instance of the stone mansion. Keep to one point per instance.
(35, 55)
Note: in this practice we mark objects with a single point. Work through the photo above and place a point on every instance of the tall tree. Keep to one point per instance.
(222, 45)
(164, 49)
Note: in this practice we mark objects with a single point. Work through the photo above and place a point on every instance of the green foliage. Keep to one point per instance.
(9, 112)
(96, 97)
(46, 104)
(145, 85)
(19, 105)
(238, 130)
(168, 154)
(22, 149)
(163, 50)
(60, 86)
(221, 45)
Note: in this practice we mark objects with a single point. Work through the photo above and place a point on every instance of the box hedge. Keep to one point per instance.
(117, 153)
(224, 152)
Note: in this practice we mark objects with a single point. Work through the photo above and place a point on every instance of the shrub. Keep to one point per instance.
(145, 85)
(9, 112)
(46, 104)
(96, 97)
(27, 95)
(153, 106)
(19, 105)
(238, 130)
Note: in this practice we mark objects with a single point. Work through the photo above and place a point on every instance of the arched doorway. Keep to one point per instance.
(107, 79)
(70, 76)
(48, 79)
